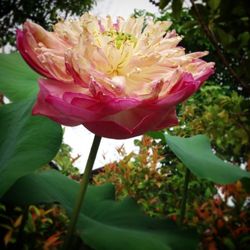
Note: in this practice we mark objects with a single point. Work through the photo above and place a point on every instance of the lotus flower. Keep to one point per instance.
(118, 79)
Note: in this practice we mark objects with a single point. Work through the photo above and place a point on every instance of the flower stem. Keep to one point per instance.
(185, 195)
(82, 191)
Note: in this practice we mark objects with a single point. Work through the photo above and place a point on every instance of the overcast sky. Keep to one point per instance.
(122, 8)
(79, 138)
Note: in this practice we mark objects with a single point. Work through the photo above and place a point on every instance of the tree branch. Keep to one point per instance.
(215, 43)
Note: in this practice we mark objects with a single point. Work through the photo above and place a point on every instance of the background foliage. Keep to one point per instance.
(225, 25)
(44, 12)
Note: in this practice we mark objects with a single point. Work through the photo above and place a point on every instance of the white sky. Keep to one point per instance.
(79, 138)
(122, 8)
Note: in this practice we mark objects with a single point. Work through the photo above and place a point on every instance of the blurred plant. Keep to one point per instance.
(224, 220)
(225, 25)
(43, 12)
(35, 227)
(221, 114)
(65, 161)
(158, 190)
(221, 218)
(137, 175)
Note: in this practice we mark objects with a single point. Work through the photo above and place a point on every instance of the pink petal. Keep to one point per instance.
(28, 55)
(52, 97)
(43, 51)
(109, 129)
(179, 93)
(204, 76)
(73, 108)
(42, 107)
(118, 130)
(69, 67)
(108, 106)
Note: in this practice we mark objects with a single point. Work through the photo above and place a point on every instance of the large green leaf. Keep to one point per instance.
(26, 142)
(103, 223)
(17, 80)
(196, 153)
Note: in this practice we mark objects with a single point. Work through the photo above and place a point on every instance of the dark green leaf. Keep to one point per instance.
(196, 153)
(203, 10)
(103, 223)
(244, 38)
(224, 37)
(246, 184)
(176, 8)
(26, 142)
(164, 3)
(213, 4)
(17, 80)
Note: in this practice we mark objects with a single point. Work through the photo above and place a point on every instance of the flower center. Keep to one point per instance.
(120, 38)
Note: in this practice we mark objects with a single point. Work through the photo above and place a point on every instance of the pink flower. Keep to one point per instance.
(117, 79)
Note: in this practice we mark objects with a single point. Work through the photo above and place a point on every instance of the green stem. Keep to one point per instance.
(82, 192)
(185, 195)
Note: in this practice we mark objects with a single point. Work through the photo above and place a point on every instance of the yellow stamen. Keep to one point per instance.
(120, 38)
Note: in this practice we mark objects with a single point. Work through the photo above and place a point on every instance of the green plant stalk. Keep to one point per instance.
(185, 196)
(82, 192)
